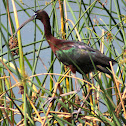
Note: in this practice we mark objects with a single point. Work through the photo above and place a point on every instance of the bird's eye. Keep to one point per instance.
(35, 14)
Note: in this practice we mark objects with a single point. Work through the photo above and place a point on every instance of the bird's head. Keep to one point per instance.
(40, 15)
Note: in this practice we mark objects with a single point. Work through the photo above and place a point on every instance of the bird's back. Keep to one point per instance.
(82, 57)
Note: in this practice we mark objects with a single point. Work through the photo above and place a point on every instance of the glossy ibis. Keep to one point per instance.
(76, 55)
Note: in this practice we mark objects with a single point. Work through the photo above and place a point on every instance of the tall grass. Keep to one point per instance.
(47, 93)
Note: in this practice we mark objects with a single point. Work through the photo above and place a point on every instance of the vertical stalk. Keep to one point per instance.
(11, 92)
(21, 59)
(110, 55)
(21, 63)
(62, 19)
(1, 69)
(120, 20)
(34, 46)
(52, 54)
(63, 34)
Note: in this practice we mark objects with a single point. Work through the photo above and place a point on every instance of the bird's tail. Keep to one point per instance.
(105, 68)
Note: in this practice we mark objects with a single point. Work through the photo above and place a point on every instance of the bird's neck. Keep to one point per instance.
(47, 29)
(52, 41)
(49, 37)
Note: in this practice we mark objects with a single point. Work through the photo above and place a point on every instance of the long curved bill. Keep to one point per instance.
(22, 25)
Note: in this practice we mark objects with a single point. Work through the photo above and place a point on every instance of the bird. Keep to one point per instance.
(76, 55)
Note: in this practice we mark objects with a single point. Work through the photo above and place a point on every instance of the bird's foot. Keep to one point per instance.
(79, 110)
(49, 100)
(77, 113)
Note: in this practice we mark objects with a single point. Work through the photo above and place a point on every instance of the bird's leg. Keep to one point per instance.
(73, 69)
(76, 83)
(79, 110)
(49, 99)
